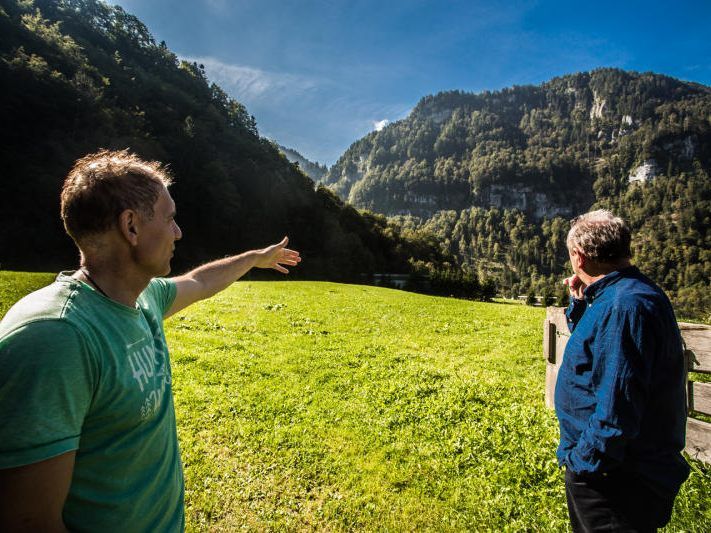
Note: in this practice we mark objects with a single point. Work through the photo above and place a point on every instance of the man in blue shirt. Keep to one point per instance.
(620, 396)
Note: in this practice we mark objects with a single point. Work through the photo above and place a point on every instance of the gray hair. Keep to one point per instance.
(600, 236)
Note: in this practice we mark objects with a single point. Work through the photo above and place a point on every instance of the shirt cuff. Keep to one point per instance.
(575, 310)
(15, 458)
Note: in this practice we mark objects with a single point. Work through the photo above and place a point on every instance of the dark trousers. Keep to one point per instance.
(617, 501)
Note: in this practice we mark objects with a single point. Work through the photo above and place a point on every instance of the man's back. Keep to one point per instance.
(81, 372)
(621, 396)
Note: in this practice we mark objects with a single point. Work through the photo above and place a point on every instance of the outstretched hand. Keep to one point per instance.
(575, 286)
(276, 255)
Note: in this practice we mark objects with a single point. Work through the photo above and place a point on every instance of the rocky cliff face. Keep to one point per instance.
(598, 107)
(644, 172)
(524, 198)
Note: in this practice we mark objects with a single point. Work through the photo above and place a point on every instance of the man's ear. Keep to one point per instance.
(579, 258)
(128, 226)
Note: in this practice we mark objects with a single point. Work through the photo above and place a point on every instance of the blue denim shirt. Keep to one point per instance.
(620, 396)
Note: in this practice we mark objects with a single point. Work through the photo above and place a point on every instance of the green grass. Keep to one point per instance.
(319, 406)
(15, 285)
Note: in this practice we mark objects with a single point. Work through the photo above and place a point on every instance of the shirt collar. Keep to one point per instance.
(594, 290)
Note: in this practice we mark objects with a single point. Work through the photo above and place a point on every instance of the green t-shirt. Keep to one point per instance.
(81, 372)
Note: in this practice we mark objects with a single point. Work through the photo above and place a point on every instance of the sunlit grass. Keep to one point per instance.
(15, 285)
(319, 406)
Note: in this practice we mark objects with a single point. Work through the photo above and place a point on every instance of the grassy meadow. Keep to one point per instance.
(321, 406)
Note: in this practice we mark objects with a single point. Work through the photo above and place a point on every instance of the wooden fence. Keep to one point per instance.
(697, 341)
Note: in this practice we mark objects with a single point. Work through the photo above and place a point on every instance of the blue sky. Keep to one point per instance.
(320, 74)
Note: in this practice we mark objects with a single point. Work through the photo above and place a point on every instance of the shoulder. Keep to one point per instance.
(636, 293)
(158, 296)
(157, 285)
(48, 345)
(46, 307)
(52, 322)
(638, 304)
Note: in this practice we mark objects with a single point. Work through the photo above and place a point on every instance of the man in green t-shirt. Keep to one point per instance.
(88, 438)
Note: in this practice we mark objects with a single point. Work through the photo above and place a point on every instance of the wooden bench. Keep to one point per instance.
(697, 341)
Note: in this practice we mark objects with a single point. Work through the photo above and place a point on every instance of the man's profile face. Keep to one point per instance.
(157, 236)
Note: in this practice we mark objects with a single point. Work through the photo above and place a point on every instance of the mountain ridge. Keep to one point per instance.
(443, 129)
(494, 176)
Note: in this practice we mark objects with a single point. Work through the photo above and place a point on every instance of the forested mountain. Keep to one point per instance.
(494, 176)
(78, 75)
(315, 171)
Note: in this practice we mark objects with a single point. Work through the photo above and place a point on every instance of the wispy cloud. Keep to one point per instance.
(380, 124)
(217, 5)
(252, 84)
(318, 116)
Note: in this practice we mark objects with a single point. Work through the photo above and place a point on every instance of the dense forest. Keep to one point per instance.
(494, 177)
(79, 75)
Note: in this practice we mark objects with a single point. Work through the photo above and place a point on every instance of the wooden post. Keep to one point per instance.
(555, 337)
(698, 440)
(700, 397)
(697, 339)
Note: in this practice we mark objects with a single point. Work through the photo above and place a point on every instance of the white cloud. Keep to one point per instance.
(380, 124)
(250, 84)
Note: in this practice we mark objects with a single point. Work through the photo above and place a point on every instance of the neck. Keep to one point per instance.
(121, 284)
(596, 271)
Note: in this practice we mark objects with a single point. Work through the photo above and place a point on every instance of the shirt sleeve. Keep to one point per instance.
(622, 364)
(47, 382)
(162, 291)
(574, 312)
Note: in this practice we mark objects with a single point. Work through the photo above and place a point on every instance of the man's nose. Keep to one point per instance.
(178, 233)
